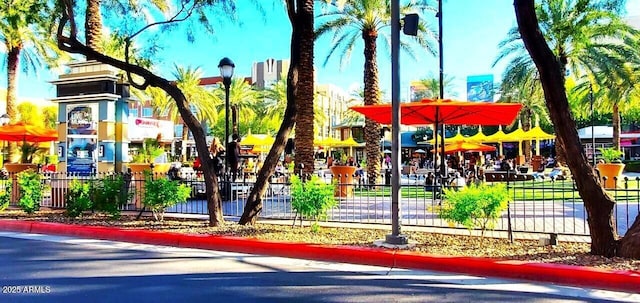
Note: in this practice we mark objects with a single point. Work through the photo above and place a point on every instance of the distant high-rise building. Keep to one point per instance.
(264, 74)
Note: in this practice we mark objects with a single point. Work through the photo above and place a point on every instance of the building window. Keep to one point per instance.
(133, 112)
(147, 112)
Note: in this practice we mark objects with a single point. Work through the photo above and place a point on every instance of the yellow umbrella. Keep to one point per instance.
(537, 133)
(328, 142)
(257, 139)
(479, 137)
(350, 142)
(498, 137)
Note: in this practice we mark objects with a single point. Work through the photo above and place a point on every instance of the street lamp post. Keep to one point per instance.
(226, 67)
(593, 137)
(4, 120)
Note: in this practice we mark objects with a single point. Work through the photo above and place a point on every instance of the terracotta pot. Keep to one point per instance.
(611, 171)
(157, 167)
(18, 167)
(344, 176)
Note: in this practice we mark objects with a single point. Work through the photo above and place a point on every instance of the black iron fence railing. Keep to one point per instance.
(538, 205)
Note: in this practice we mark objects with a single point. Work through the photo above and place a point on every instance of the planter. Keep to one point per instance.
(343, 175)
(157, 167)
(18, 167)
(611, 171)
(137, 170)
(14, 169)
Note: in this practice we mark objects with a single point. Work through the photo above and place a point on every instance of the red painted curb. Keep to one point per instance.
(628, 281)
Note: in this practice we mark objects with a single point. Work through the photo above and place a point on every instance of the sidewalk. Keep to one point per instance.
(626, 281)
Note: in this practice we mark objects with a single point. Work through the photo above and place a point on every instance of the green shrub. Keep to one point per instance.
(78, 198)
(632, 166)
(474, 206)
(109, 195)
(5, 196)
(312, 199)
(611, 155)
(30, 186)
(162, 193)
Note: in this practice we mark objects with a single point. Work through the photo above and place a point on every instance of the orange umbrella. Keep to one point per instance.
(444, 111)
(22, 131)
(467, 146)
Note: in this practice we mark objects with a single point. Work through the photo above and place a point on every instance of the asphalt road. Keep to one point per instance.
(39, 268)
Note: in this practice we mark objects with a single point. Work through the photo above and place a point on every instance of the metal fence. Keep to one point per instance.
(541, 205)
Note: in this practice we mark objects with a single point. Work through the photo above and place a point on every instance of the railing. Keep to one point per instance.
(541, 205)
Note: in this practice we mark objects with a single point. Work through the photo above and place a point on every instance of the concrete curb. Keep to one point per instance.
(627, 281)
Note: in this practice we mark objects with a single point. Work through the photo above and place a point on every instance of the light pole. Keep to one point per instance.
(593, 137)
(4, 120)
(226, 72)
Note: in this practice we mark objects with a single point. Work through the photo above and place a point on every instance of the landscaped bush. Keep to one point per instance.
(5, 196)
(110, 194)
(474, 206)
(78, 198)
(30, 185)
(312, 199)
(632, 166)
(162, 193)
(106, 195)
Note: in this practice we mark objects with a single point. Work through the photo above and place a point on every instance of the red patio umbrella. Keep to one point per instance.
(22, 131)
(467, 146)
(430, 111)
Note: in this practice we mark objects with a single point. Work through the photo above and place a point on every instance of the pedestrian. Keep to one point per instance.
(233, 156)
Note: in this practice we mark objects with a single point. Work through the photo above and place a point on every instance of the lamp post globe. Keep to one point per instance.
(226, 67)
(4, 119)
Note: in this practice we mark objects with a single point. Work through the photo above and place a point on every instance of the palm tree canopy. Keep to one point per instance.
(370, 17)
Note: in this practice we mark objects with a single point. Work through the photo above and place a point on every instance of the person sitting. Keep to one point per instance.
(558, 172)
(458, 182)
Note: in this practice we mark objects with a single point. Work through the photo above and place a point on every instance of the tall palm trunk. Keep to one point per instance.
(234, 120)
(13, 61)
(616, 126)
(371, 97)
(185, 137)
(93, 26)
(305, 94)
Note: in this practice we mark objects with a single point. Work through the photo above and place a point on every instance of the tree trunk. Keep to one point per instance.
(93, 26)
(234, 120)
(371, 97)
(299, 66)
(305, 92)
(598, 204)
(616, 125)
(67, 41)
(185, 137)
(13, 61)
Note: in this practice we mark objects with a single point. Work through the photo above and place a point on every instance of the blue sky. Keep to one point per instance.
(472, 31)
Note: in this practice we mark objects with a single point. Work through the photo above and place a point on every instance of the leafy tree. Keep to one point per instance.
(587, 37)
(242, 100)
(367, 19)
(67, 36)
(598, 204)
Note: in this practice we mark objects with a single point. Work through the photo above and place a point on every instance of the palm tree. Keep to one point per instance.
(588, 38)
(528, 92)
(367, 19)
(201, 101)
(24, 35)
(431, 88)
(242, 99)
